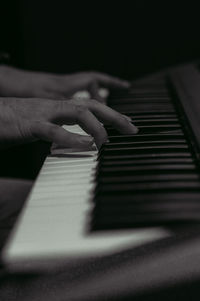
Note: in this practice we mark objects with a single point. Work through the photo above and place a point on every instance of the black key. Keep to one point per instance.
(143, 130)
(141, 93)
(147, 137)
(137, 111)
(151, 196)
(145, 150)
(160, 131)
(140, 219)
(158, 122)
(155, 120)
(146, 162)
(152, 208)
(126, 188)
(166, 155)
(143, 144)
(149, 167)
(153, 114)
(135, 99)
(143, 107)
(142, 178)
(161, 127)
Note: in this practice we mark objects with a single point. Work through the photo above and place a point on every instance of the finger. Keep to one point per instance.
(89, 123)
(109, 116)
(128, 118)
(111, 81)
(53, 133)
(94, 92)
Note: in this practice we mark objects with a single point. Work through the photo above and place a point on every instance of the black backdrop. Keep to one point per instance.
(125, 38)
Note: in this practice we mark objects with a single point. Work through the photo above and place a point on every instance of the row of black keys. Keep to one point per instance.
(150, 178)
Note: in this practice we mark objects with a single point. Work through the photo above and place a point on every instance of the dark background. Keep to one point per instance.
(125, 38)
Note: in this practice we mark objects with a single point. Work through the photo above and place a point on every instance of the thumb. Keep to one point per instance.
(53, 133)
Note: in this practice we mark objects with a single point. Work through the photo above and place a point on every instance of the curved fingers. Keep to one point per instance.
(89, 114)
(54, 133)
(91, 125)
(109, 116)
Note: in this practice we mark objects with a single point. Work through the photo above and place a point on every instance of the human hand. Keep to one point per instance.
(19, 83)
(27, 120)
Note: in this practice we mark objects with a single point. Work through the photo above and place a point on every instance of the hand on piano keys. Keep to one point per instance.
(148, 180)
(26, 120)
(19, 83)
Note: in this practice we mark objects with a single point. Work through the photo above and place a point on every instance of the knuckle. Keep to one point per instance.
(71, 101)
(105, 136)
(63, 105)
(34, 126)
(91, 103)
(100, 130)
(25, 129)
(119, 120)
(52, 130)
(56, 110)
(81, 110)
(80, 102)
(56, 106)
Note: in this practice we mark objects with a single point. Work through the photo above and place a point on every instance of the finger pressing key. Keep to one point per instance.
(92, 126)
(111, 117)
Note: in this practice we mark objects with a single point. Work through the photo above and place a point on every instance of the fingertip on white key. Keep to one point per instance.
(85, 147)
(62, 151)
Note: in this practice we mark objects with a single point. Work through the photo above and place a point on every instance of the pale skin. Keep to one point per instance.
(28, 110)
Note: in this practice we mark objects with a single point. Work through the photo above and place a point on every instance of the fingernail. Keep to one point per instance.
(135, 129)
(128, 118)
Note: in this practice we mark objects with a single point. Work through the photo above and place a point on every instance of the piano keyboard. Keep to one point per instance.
(54, 222)
(132, 188)
(151, 178)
